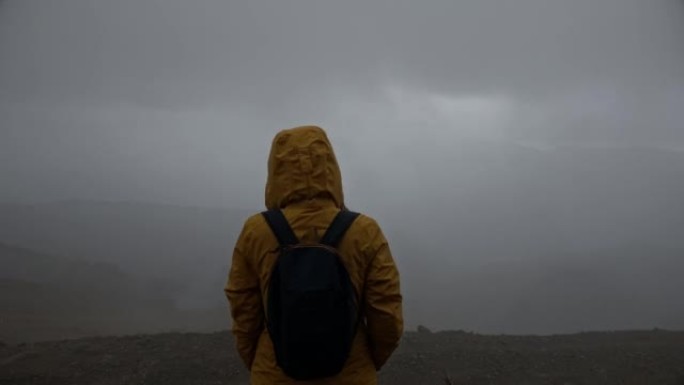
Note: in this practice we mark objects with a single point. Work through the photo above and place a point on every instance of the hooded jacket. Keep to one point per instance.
(304, 181)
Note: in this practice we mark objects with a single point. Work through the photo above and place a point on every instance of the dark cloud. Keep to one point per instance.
(119, 98)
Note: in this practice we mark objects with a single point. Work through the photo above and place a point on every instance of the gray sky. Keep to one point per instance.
(479, 133)
(176, 101)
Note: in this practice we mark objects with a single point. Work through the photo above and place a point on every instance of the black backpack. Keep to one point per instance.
(312, 310)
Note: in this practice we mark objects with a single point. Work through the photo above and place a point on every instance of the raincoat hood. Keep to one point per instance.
(302, 166)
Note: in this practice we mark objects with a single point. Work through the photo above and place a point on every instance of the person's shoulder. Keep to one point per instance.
(367, 235)
(366, 220)
(254, 224)
(255, 219)
(367, 225)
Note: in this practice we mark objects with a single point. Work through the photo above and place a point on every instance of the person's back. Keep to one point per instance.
(304, 182)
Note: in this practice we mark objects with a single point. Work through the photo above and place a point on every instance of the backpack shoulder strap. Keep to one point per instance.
(338, 228)
(281, 228)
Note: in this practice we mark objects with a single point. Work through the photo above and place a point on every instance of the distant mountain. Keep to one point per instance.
(190, 247)
(610, 290)
(543, 241)
(24, 265)
(48, 297)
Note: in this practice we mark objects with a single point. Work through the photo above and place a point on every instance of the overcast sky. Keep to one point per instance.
(176, 101)
(510, 149)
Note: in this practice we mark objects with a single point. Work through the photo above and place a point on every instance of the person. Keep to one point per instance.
(304, 182)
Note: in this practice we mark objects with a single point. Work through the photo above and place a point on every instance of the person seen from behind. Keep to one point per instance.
(313, 289)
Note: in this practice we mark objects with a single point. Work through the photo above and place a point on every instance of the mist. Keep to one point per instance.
(525, 159)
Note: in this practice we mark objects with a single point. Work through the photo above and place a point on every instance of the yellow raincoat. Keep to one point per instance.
(304, 181)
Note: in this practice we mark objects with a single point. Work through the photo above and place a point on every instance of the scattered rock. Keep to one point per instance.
(627, 358)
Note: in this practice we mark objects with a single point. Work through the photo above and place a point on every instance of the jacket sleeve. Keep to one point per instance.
(244, 297)
(383, 307)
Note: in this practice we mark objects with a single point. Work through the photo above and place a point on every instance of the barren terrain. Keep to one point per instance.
(638, 358)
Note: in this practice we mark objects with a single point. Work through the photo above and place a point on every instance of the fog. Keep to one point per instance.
(525, 159)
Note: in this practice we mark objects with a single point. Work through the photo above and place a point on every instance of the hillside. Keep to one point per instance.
(48, 297)
(189, 247)
(625, 358)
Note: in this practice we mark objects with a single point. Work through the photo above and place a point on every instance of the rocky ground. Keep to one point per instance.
(638, 358)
